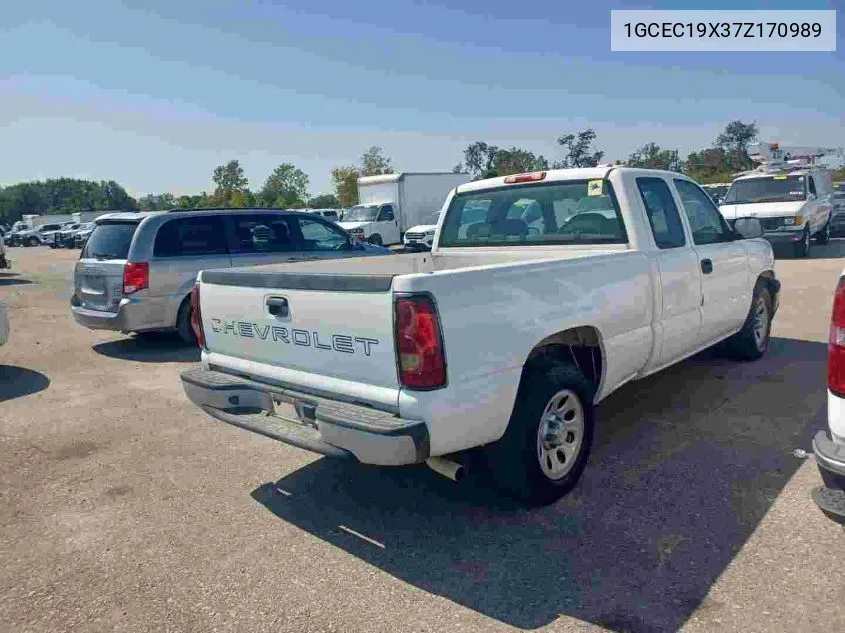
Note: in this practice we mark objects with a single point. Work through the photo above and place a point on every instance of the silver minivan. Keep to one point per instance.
(136, 270)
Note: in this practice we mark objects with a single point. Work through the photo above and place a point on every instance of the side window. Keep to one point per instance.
(811, 185)
(320, 236)
(707, 224)
(262, 233)
(386, 213)
(187, 237)
(662, 213)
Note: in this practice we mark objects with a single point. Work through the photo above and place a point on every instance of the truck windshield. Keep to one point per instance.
(361, 213)
(110, 241)
(766, 189)
(571, 212)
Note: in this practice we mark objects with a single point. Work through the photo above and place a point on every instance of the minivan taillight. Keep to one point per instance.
(196, 316)
(419, 344)
(136, 276)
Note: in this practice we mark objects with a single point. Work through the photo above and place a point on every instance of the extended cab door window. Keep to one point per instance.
(811, 186)
(706, 223)
(191, 237)
(662, 213)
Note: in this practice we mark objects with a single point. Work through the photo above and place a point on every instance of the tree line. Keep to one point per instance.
(287, 186)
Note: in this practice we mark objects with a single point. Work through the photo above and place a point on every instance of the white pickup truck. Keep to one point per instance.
(544, 293)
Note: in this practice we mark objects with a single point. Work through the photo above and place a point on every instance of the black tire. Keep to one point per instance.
(745, 345)
(823, 236)
(514, 461)
(802, 248)
(183, 323)
(375, 239)
(32, 241)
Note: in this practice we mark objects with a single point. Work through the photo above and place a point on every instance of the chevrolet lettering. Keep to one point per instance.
(295, 336)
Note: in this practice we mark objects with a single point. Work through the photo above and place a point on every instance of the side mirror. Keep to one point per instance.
(748, 228)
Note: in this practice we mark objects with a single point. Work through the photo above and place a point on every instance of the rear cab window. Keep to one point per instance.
(566, 212)
(110, 240)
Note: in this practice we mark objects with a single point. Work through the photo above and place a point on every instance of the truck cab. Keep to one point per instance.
(373, 223)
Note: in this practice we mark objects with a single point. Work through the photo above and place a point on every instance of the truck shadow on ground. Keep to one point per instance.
(13, 280)
(686, 465)
(19, 381)
(154, 347)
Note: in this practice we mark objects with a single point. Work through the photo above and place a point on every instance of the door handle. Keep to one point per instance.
(706, 266)
(278, 306)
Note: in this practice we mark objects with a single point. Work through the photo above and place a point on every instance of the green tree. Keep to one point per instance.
(517, 161)
(345, 181)
(480, 159)
(228, 179)
(286, 187)
(650, 156)
(323, 201)
(375, 163)
(579, 151)
(708, 166)
(735, 140)
(157, 202)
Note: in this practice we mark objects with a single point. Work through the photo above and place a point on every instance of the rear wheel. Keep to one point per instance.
(823, 237)
(545, 448)
(802, 248)
(32, 241)
(375, 239)
(183, 323)
(752, 341)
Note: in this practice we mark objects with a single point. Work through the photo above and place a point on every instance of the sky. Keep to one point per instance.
(156, 94)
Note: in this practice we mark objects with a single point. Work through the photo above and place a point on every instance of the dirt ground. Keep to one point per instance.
(124, 508)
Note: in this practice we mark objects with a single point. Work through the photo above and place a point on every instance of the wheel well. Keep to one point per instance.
(768, 278)
(580, 346)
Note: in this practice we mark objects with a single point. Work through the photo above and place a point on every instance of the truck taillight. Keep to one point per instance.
(836, 344)
(419, 344)
(196, 316)
(136, 276)
(533, 176)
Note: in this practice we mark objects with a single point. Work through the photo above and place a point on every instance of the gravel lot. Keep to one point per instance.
(123, 508)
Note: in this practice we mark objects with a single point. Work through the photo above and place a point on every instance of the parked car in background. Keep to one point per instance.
(64, 237)
(136, 270)
(504, 338)
(329, 214)
(794, 205)
(39, 235)
(81, 235)
(421, 236)
(4, 323)
(829, 446)
(12, 237)
(837, 220)
(4, 263)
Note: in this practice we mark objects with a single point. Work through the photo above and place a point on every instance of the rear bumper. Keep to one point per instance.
(321, 425)
(830, 458)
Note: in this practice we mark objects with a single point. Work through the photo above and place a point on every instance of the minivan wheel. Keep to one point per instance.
(183, 323)
(375, 239)
(545, 448)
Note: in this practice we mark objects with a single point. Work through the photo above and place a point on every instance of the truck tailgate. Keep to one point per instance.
(329, 325)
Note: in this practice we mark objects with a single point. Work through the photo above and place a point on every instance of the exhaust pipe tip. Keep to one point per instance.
(447, 467)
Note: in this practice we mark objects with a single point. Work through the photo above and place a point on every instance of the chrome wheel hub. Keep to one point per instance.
(560, 434)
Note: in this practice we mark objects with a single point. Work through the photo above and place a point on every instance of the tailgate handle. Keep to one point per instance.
(278, 306)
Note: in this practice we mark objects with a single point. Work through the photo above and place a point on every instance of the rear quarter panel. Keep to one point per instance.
(493, 316)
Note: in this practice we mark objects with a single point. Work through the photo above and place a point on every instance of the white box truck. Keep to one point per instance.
(390, 204)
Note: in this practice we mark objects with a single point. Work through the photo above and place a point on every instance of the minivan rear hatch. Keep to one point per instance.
(98, 277)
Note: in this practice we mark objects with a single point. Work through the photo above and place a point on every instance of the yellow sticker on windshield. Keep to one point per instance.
(780, 177)
(594, 187)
